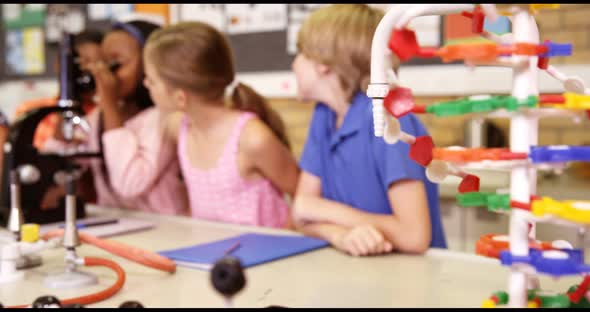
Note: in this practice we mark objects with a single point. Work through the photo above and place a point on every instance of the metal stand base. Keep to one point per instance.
(27, 262)
(70, 279)
(10, 278)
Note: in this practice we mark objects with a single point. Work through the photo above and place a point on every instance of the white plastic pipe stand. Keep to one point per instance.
(9, 273)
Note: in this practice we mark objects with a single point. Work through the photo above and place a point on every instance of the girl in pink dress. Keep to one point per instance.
(138, 169)
(235, 158)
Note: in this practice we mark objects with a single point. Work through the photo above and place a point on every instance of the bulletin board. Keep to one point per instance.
(30, 33)
(263, 36)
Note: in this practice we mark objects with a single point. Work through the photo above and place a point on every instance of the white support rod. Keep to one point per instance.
(379, 49)
(489, 9)
(517, 287)
(381, 55)
(523, 129)
(523, 134)
(405, 12)
(555, 73)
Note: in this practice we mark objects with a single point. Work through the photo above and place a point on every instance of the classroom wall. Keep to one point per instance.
(446, 131)
(569, 24)
(463, 226)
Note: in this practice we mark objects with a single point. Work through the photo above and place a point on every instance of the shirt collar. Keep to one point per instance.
(353, 121)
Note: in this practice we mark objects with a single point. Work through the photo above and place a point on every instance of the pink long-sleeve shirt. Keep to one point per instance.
(142, 166)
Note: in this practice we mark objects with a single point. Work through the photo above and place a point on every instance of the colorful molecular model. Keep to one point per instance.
(522, 51)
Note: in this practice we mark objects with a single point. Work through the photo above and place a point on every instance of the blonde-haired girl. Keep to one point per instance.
(235, 158)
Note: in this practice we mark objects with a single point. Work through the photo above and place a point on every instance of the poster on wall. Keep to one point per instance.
(98, 11)
(212, 14)
(25, 51)
(36, 6)
(160, 12)
(457, 29)
(15, 60)
(103, 11)
(10, 12)
(119, 10)
(62, 17)
(255, 18)
(298, 12)
(33, 51)
(20, 16)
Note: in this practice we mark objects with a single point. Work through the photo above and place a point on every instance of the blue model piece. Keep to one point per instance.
(557, 49)
(572, 265)
(559, 153)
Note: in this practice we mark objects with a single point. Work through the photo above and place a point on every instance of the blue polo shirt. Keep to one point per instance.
(357, 168)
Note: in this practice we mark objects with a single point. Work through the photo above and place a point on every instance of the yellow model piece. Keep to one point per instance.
(534, 7)
(29, 232)
(572, 101)
(571, 210)
(488, 303)
(532, 304)
(577, 101)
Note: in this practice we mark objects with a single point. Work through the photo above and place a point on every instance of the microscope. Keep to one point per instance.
(27, 173)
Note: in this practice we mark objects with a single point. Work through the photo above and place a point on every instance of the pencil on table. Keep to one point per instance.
(232, 248)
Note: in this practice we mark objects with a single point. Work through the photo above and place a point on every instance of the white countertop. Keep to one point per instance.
(321, 278)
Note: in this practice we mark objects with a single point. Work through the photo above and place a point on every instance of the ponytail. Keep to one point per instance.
(197, 57)
(246, 99)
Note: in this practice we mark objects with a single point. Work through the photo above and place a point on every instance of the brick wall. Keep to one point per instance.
(569, 24)
(445, 131)
(297, 116)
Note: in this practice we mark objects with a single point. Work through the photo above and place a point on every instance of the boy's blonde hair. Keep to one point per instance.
(340, 36)
(197, 57)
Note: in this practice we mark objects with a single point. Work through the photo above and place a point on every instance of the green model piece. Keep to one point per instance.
(488, 104)
(494, 202)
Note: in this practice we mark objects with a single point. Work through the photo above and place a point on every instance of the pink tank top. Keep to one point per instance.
(221, 194)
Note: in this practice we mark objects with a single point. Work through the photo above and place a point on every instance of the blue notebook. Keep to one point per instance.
(253, 249)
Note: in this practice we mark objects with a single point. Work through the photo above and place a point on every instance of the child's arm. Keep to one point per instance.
(360, 240)
(136, 158)
(271, 157)
(408, 229)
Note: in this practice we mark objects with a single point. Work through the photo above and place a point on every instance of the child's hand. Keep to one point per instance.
(301, 213)
(364, 240)
(106, 83)
(52, 197)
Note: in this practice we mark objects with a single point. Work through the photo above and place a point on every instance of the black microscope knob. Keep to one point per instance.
(46, 302)
(74, 306)
(131, 304)
(227, 276)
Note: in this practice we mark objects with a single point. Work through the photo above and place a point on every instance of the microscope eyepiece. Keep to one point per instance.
(85, 81)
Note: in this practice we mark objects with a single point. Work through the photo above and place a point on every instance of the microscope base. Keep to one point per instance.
(13, 277)
(70, 279)
(27, 262)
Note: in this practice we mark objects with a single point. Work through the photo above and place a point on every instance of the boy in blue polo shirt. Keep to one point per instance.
(362, 195)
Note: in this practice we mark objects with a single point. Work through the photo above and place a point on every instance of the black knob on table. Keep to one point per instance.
(74, 306)
(45, 302)
(227, 276)
(131, 304)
